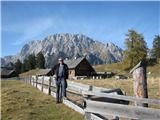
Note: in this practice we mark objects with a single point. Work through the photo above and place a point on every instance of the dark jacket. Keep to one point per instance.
(56, 70)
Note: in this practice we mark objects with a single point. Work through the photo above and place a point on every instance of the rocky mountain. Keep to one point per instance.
(68, 46)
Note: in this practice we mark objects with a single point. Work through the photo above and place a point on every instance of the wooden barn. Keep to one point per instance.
(79, 67)
(8, 73)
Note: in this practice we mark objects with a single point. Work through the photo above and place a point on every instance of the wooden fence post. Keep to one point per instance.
(33, 82)
(49, 87)
(90, 89)
(140, 81)
(88, 114)
(26, 79)
(30, 79)
(36, 80)
(42, 83)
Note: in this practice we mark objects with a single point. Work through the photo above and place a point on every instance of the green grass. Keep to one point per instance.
(23, 102)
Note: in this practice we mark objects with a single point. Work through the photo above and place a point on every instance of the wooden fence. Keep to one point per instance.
(99, 103)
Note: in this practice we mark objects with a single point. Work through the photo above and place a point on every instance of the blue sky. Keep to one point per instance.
(102, 21)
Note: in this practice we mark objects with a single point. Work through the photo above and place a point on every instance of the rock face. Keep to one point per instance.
(69, 46)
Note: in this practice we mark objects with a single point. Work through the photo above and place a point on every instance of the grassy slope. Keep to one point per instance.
(119, 69)
(114, 67)
(23, 102)
(127, 85)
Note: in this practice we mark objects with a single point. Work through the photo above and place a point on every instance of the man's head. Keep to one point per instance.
(60, 60)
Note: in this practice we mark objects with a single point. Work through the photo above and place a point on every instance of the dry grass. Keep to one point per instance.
(126, 85)
(155, 70)
(114, 67)
(119, 68)
(24, 102)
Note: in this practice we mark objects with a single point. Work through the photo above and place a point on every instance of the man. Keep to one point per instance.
(61, 74)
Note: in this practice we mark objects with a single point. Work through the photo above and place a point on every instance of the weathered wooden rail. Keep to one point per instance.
(99, 103)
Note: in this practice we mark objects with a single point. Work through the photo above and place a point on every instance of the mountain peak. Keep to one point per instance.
(69, 45)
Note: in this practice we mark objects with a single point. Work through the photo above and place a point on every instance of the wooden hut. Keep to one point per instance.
(8, 73)
(79, 67)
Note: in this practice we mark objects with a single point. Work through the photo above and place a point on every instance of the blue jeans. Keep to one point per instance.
(61, 89)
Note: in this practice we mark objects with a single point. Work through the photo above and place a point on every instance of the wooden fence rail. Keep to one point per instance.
(122, 97)
(98, 110)
(127, 111)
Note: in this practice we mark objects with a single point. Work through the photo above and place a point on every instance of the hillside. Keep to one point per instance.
(127, 85)
(118, 68)
(68, 46)
(24, 102)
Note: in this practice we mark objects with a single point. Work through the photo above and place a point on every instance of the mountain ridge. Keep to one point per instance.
(68, 46)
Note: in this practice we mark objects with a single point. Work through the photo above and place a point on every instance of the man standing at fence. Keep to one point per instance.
(61, 74)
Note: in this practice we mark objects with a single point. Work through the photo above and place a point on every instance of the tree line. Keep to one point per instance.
(31, 62)
(137, 50)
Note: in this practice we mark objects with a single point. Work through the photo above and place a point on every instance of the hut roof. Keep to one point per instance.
(43, 71)
(74, 62)
(36, 72)
(6, 72)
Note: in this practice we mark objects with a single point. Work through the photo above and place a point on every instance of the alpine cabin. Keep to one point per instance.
(79, 67)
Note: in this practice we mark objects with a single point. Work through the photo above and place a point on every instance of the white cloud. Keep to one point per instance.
(30, 29)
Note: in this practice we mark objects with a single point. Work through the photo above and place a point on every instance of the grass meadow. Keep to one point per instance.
(20, 101)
